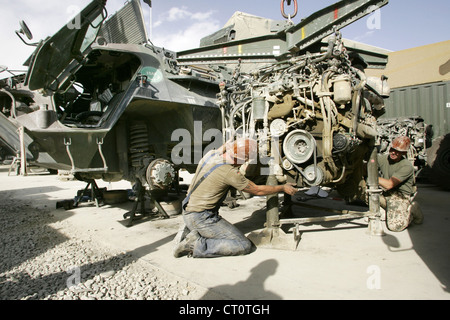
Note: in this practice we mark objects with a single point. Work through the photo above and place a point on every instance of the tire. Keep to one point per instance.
(438, 157)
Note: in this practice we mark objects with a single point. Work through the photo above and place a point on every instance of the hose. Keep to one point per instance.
(356, 99)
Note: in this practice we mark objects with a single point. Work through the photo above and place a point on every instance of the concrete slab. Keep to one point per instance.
(333, 260)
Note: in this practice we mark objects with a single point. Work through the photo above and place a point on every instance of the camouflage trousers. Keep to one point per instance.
(396, 204)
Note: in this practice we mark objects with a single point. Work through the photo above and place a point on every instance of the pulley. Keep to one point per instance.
(340, 142)
(313, 175)
(278, 127)
(299, 146)
(287, 165)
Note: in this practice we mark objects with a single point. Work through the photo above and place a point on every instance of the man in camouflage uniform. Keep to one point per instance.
(398, 183)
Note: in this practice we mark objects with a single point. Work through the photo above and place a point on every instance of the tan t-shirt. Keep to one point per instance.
(402, 170)
(214, 187)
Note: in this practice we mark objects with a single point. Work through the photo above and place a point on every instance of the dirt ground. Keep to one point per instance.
(335, 260)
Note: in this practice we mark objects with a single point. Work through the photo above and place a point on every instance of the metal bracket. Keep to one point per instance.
(99, 144)
(68, 143)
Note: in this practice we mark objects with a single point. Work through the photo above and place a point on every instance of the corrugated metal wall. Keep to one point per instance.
(430, 101)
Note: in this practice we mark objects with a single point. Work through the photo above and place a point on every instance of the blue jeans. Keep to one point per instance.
(218, 237)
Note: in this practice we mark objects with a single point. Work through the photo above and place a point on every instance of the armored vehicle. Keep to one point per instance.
(99, 99)
(102, 102)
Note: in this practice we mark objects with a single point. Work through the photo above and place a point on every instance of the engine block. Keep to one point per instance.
(313, 115)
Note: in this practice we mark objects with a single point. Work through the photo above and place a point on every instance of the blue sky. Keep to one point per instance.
(179, 24)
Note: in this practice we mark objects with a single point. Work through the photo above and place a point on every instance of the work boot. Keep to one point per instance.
(416, 212)
(186, 246)
(183, 231)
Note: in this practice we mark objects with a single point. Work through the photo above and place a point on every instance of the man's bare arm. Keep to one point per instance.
(262, 190)
(388, 184)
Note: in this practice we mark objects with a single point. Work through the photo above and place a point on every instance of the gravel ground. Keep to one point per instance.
(44, 259)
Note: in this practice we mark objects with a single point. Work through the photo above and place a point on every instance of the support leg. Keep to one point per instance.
(140, 199)
(96, 194)
(272, 236)
(160, 209)
(375, 226)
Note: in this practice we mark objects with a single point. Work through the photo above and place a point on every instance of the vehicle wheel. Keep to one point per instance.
(438, 157)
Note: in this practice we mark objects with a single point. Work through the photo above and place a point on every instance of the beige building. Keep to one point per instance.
(419, 65)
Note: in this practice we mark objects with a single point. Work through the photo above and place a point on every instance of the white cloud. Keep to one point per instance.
(177, 29)
(188, 38)
(200, 16)
(196, 26)
(364, 36)
(176, 14)
(43, 19)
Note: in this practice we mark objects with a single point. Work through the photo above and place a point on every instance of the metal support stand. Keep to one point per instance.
(140, 199)
(23, 154)
(375, 227)
(96, 194)
(159, 207)
(272, 236)
(15, 164)
(20, 160)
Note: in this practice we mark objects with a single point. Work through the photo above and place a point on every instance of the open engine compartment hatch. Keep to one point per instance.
(55, 57)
